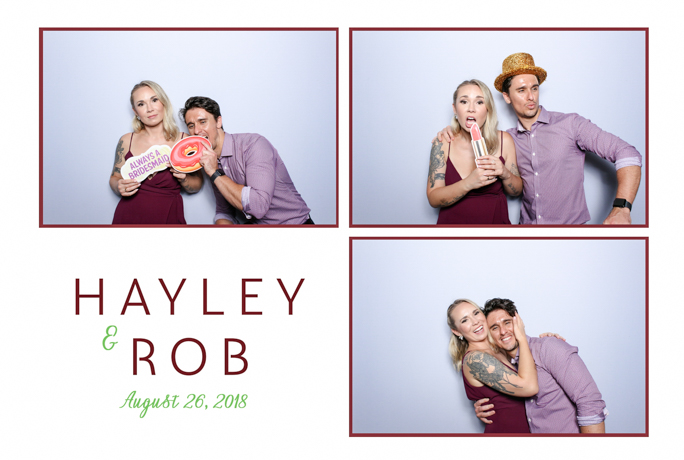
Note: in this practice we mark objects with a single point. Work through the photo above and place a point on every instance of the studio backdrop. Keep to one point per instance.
(591, 291)
(402, 91)
(280, 84)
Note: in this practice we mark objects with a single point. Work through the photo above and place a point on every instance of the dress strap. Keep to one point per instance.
(130, 144)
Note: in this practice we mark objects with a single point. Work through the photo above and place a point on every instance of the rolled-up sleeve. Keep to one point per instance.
(260, 174)
(574, 378)
(604, 144)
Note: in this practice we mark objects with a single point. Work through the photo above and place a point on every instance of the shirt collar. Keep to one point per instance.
(543, 117)
(228, 148)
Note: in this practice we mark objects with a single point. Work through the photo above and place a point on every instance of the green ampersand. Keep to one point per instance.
(107, 336)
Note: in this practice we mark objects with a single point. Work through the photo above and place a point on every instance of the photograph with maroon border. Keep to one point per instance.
(558, 95)
(279, 85)
(555, 344)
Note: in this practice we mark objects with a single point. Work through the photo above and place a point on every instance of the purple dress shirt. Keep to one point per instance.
(269, 196)
(551, 163)
(568, 396)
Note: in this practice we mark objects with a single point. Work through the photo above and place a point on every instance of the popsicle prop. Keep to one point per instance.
(479, 146)
(186, 154)
(153, 160)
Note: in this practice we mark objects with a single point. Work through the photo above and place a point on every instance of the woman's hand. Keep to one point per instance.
(493, 166)
(128, 187)
(519, 328)
(181, 177)
(479, 178)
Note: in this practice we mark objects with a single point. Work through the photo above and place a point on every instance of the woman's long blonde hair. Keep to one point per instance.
(170, 128)
(490, 129)
(457, 347)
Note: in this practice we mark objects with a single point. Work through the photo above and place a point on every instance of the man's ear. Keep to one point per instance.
(219, 122)
(506, 98)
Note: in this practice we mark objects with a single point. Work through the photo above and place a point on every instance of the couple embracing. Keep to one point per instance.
(521, 384)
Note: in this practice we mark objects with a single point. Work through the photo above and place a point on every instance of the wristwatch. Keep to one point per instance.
(219, 173)
(622, 203)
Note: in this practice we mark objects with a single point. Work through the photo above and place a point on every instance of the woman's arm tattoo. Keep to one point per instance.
(118, 157)
(481, 365)
(436, 162)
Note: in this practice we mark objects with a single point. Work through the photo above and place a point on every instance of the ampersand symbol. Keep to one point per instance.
(107, 336)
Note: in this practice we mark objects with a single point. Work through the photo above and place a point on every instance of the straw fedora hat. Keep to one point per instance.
(518, 64)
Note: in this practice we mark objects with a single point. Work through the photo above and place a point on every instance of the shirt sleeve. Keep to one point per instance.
(608, 146)
(223, 209)
(260, 178)
(565, 365)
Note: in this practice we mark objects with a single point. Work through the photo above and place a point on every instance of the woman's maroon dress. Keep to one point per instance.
(157, 201)
(509, 416)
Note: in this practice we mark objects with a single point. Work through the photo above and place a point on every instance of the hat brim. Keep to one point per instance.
(538, 71)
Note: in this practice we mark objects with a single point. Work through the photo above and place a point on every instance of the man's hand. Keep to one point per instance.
(209, 161)
(482, 411)
(619, 216)
(445, 136)
(552, 334)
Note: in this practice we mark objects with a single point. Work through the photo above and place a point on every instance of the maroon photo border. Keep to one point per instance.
(494, 29)
(194, 29)
(442, 435)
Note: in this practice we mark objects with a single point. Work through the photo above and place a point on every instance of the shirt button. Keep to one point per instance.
(533, 154)
(529, 420)
(536, 173)
(540, 217)
(537, 195)
(532, 135)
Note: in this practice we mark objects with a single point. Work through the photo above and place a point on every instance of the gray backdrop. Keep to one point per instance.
(280, 84)
(592, 292)
(403, 84)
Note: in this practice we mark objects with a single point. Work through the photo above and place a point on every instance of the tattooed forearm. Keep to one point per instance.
(514, 170)
(188, 188)
(450, 201)
(490, 371)
(512, 189)
(436, 162)
(118, 157)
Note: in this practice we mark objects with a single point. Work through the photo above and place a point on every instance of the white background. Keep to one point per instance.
(278, 84)
(402, 370)
(403, 89)
(62, 391)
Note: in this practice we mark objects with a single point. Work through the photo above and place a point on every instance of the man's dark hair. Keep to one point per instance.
(199, 102)
(500, 304)
(506, 85)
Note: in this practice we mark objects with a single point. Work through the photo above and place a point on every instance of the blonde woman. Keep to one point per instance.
(157, 199)
(470, 191)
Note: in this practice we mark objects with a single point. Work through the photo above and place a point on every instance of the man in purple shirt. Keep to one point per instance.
(568, 400)
(550, 148)
(246, 172)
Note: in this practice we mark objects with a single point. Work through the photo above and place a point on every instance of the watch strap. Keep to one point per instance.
(216, 175)
(622, 203)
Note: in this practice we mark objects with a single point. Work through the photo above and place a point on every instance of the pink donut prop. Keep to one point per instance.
(186, 154)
